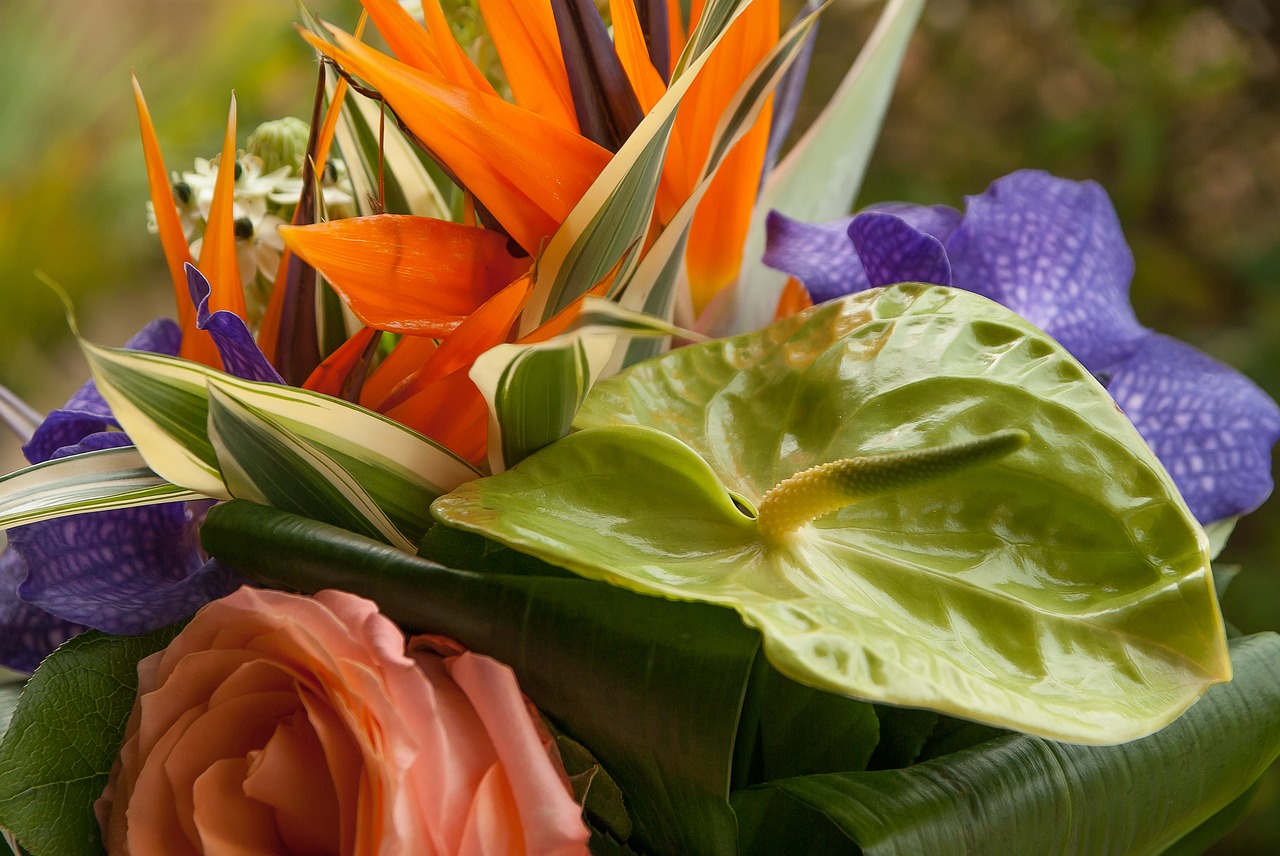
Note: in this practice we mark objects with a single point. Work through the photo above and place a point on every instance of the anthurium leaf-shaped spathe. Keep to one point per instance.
(1056, 584)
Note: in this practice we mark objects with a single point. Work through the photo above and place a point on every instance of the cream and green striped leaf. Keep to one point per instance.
(264, 462)
(606, 229)
(387, 473)
(92, 481)
(820, 177)
(652, 287)
(534, 390)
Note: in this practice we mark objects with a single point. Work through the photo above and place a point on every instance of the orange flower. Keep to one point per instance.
(277, 723)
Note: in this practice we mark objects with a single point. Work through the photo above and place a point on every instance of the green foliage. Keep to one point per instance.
(64, 737)
(1064, 590)
(1022, 794)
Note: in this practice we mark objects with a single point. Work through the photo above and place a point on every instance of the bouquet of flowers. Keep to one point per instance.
(536, 466)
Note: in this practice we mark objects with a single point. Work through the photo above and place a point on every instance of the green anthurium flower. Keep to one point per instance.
(917, 498)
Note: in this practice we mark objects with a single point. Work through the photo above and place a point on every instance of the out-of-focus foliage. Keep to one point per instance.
(1172, 106)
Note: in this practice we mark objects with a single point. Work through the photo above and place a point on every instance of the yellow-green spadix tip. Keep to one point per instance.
(819, 490)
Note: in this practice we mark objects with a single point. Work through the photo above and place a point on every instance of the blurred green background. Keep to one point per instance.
(1174, 107)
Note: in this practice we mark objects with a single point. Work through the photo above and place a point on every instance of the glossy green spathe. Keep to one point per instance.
(1063, 590)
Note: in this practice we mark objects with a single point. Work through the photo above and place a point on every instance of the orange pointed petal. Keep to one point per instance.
(524, 33)
(218, 260)
(408, 356)
(528, 171)
(407, 274)
(452, 412)
(330, 377)
(628, 38)
(675, 32)
(484, 328)
(405, 36)
(452, 58)
(794, 298)
(720, 226)
(172, 237)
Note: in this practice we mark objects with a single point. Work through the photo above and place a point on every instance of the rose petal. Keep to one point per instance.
(231, 823)
(1052, 250)
(892, 251)
(1212, 427)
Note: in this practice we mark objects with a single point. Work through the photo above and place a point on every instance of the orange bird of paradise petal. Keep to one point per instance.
(332, 375)
(724, 215)
(528, 171)
(483, 329)
(407, 274)
(406, 358)
(794, 298)
(524, 33)
(431, 48)
(173, 239)
(452, 412)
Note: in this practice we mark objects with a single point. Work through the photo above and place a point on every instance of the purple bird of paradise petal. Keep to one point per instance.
(86, 412)
(240, 354)
(1052, 250)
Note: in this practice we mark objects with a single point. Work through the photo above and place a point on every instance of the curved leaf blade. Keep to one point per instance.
(93, 481)
(654, 688)
(1064, 590)
(1022, 794)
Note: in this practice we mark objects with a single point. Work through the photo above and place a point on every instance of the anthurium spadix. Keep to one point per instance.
(996, 541)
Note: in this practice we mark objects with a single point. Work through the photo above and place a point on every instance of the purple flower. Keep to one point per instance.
(126, 571)
(1052, 250)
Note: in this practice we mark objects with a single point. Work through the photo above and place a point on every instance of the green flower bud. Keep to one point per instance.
(280, 142)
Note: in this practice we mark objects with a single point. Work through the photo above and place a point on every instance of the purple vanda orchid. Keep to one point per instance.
(127, 571)
(1052, 250)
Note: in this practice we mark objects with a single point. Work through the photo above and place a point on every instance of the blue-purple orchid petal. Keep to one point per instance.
(820, 255)
(85, 412)
(891, 250)
(27, 633)
(1211, 426)
(240, 354)
(1053, 251)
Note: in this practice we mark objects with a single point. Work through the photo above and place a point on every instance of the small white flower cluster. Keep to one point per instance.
(264, 200)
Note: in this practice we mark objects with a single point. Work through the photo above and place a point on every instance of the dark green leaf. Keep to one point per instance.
(1022, 794)
(652, 687)
(64, 737)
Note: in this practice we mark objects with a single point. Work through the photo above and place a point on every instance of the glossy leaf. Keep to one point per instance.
(1022, 794)
(1062, 590)
(93, 481)
(819, 178)
(653, 688)
(534, 389)
(63, 738)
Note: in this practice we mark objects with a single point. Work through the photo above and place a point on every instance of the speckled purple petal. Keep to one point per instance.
(241, 356)
(936, 220)
(820, 255)
(892, 251)
(1052, 250)
(85, 412)
(1210, 426)
(125, 572)
(28, 634)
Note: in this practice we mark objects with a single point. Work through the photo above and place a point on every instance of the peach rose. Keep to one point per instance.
(277, 723)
